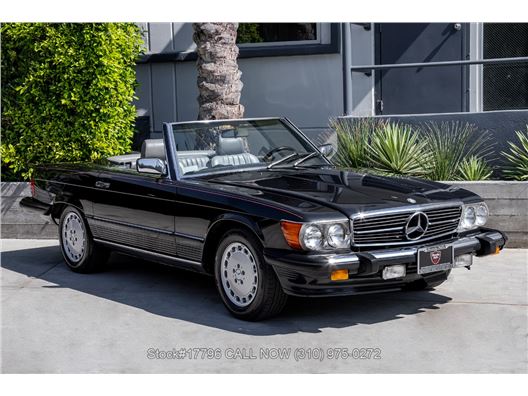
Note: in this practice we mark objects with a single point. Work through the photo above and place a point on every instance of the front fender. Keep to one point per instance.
(237, 218)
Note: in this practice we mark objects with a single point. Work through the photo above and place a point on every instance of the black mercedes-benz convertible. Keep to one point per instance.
(256, 204)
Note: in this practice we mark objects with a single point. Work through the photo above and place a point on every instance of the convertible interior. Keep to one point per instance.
(229, 151)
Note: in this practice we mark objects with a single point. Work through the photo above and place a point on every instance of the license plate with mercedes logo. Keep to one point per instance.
(435, 258)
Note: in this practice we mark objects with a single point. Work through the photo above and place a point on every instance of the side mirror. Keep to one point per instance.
(151, 165)
(326, 149)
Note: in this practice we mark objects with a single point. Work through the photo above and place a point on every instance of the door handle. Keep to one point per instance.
(100, 184)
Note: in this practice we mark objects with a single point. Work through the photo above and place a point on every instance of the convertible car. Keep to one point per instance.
(254, 203)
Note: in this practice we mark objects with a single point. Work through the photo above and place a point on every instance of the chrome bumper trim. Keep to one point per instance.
(471, 242)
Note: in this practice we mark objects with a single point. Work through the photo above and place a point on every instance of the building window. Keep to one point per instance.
(505, 86)
(266, 34)
(173, 42)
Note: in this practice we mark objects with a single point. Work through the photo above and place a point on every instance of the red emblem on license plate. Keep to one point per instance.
(435, 257)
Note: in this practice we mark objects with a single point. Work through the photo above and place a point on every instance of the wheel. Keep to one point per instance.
(80, 252)
(422, 284)
(247, 285)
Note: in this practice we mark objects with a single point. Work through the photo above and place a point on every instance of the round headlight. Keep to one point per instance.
(312, 238)
(481, 214)
(469, 217)
(336, 236)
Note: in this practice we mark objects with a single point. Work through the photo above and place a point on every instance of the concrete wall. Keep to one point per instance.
(20, 222)
(507, 201)
(508, 205)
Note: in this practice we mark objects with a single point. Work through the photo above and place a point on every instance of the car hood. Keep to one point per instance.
(346, 191)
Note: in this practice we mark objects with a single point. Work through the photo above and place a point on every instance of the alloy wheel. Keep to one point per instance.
(239, 274)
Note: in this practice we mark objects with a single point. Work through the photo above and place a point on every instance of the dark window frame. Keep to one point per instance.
(492, 76)
(270, 50)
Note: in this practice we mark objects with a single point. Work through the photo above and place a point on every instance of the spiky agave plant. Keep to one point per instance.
(474, 168)
(450, 143)
(396, 150)
(517, 157)
(353, 135)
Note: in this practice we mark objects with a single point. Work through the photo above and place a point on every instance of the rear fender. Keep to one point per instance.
(60, 203)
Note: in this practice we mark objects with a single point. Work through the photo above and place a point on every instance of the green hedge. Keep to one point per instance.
(67, 92)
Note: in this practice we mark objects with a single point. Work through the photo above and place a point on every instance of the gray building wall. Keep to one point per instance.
(308, 89)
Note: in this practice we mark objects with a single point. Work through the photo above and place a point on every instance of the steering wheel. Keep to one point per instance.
(270, 153)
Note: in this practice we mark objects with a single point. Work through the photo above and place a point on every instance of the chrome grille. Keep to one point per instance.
(389, 228)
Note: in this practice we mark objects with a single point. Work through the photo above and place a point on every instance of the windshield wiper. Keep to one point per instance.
(283, 159)
(306, 158)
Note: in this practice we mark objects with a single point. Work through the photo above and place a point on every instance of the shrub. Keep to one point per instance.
(517, 157)
(66, 92)
(248, 33)
(450, 144)
(394, 149)
(474, 168)
(353, 136)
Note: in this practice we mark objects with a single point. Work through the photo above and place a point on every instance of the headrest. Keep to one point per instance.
(229, 146)
(153, 148)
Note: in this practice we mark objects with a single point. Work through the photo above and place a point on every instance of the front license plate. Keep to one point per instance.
(435, 258)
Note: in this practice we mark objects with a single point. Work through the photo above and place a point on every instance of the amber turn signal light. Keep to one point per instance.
(341, 274)
(497, 250)
(291, 233)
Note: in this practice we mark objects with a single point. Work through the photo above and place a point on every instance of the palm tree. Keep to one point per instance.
(219, 81)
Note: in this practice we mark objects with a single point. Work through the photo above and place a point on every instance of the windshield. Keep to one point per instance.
(238, 145)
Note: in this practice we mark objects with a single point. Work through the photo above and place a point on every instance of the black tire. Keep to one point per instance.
(422, 284)
(269, 299)
(91, 256)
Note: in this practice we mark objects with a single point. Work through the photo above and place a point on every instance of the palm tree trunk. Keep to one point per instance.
(219, 81)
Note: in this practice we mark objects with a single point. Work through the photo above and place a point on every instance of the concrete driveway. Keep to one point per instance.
(142, 317)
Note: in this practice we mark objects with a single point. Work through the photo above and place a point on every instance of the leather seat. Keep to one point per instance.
(153, 148)
(230, 151)
(199, 162)
(192, 161)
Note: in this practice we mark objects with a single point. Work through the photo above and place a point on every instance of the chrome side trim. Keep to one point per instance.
(146, 228)
(143, 252)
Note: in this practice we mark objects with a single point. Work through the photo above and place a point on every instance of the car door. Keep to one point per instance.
(135, 209)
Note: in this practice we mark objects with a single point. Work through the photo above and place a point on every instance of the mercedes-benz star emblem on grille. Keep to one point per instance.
(416, 226)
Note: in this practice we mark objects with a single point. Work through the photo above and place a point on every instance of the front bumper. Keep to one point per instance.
(309, 274)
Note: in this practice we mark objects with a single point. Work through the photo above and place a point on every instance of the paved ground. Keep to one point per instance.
(56, 321)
